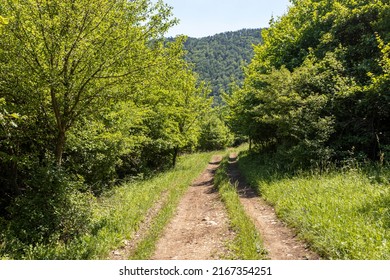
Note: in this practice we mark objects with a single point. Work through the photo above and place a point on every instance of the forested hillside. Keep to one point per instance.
(219, 59)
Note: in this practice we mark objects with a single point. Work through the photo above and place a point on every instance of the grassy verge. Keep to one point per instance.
(147, 246)
(247, 244)
(118, 215)
(343, 214)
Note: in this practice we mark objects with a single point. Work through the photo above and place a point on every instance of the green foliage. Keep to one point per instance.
(219, 59)
(3, 21)
(94, 88)
(317, 88)
(39, 216)
(343, 213)
(215, 135)
(247, 244)
(72, 56)
(116, 215)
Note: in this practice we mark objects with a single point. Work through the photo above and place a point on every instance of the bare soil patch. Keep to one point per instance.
(200, 227)
(279, 240)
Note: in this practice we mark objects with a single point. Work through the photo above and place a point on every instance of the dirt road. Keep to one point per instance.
(200, 228)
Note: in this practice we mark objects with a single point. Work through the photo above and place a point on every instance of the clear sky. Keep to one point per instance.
(200, 18)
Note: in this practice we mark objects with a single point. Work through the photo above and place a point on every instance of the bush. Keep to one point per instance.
(215, 135)
(51, 210)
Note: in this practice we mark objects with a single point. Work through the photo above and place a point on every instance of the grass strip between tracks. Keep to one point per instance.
(247, 244)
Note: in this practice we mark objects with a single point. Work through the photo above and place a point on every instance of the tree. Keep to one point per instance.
(67, 58)
(176, 103)
(215, 135)
(318, 83)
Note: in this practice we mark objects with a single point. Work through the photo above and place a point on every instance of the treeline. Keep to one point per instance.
(219, 59)
(318, 88)
(91, 94)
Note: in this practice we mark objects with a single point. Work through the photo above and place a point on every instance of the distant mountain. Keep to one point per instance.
(219, 58)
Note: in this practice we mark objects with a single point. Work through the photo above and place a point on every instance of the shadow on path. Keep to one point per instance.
(279, 240)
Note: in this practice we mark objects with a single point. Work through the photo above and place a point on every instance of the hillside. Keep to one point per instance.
(219, 58)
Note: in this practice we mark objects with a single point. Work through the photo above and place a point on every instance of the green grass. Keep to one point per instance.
(118, 214)
(343, 214)
(147, 246)
(247, 244)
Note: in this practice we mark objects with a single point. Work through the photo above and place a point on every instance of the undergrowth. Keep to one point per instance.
(118, 214)
(247, 244)
(344, 213)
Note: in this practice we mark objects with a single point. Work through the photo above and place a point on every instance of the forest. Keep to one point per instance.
(100, 113)
(219, 59)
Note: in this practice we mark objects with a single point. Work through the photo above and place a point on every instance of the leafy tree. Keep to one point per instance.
(90, 92)
(312, 87)
(215, 135)
(377, 98)
(71, 55)
(175, 102)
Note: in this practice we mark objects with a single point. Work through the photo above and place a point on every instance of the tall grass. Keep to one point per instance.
(342, 213)
(118, 214)
(247, 244)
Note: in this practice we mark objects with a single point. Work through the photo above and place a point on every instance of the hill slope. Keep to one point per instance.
(219, 58)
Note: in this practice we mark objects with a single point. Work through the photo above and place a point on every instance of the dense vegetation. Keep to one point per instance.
(315, 107)
(341, 213)
(91, 95)
(219, 59)
(117, 215)
(318, 88)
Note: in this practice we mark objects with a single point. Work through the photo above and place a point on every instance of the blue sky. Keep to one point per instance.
(199, 18)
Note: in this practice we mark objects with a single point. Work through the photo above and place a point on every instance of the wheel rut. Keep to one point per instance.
(200, 228)
(279, 240)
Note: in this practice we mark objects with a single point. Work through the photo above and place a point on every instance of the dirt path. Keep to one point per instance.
(279, 240)
(200, 228)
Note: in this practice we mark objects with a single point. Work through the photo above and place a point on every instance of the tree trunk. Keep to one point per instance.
(60, 144)
(175, 154)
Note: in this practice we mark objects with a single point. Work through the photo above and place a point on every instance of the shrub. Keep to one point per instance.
(215, 135)
(52, 209)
